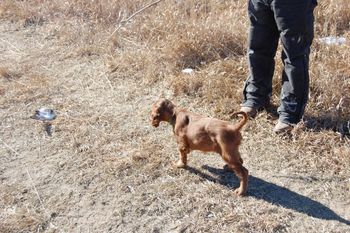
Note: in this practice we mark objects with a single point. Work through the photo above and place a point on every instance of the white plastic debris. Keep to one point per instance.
(333, 40)
(44, 114)
(187, 71)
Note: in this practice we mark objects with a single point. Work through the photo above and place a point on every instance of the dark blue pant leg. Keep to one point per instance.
(262, 45)
(295, 22)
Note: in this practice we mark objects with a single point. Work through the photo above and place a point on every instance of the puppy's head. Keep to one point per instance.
(162, 110)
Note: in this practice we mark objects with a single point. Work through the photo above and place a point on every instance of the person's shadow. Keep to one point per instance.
(318, 124)
(271, 193)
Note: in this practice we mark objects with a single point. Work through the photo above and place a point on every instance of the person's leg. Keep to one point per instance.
(295, 22)
(262, 45)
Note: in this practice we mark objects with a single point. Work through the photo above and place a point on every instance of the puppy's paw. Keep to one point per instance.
(179, 164)
(239, 192)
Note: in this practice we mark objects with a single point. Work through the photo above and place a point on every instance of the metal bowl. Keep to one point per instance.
(44, 114)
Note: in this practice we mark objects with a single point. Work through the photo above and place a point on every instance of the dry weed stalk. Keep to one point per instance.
(124, 21)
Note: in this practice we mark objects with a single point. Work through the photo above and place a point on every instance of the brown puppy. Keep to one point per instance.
(195, 132)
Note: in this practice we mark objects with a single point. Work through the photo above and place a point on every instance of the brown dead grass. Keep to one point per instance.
(8, 74)
(332, 17)
(105, 169)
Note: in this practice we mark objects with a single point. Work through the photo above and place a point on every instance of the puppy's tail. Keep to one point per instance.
(243, 121)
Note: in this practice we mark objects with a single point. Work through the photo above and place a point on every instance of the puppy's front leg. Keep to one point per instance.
(183, 151)
(182, 162)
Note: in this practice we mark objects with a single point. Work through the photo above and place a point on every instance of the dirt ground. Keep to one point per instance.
(105, 169)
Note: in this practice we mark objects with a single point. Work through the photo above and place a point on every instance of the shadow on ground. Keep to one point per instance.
(271, 193)
(319, 124)
(316, 123)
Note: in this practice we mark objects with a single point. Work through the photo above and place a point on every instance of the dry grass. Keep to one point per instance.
(8, 74)
(105, 168)
(338, 23)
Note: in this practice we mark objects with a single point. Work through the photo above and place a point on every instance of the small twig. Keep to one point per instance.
(31, 181)
(10, 148)
(109, 83)
(121, 23)
(14, 47)
(30, 178)
(37, 193)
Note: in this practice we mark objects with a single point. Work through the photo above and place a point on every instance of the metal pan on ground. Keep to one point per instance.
(46, 115)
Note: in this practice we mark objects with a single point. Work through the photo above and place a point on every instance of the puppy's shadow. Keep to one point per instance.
(271, 193)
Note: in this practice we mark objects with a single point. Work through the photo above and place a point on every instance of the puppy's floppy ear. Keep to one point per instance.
(168, 106)
(167, 103)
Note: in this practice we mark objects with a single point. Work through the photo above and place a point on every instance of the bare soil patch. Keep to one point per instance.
(105, 169)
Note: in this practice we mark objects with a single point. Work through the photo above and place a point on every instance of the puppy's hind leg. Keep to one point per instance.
(234, 163)
(242, 174)
(227, 168)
